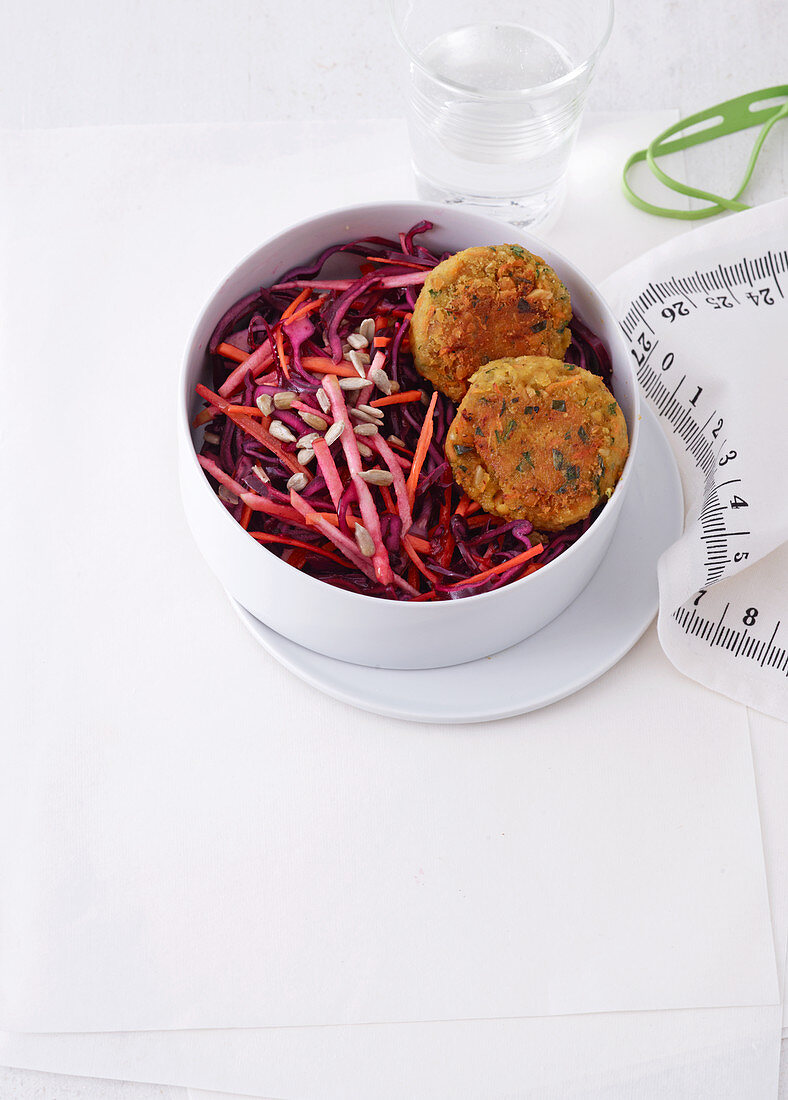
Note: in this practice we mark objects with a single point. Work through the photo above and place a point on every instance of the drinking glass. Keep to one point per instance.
(495, 95)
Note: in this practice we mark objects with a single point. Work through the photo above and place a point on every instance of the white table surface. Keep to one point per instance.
(184, 61)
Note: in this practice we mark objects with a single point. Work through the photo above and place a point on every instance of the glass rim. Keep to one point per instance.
(518, 93)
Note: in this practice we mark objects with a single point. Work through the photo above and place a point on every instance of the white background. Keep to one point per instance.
(184, 61)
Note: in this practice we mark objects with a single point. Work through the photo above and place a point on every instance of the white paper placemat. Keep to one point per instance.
(375, 871)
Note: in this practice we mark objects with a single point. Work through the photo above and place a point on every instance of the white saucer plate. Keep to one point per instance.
(594, 632)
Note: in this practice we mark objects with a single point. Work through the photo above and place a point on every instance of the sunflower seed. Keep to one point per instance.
(284, 399)
(395, 386)
(377, 477)
(364, 541)
(305, 455)
(334, 432)
(364, 450)
(297, 482)
(265, 404)
(424, 399)
(322, 400)
(381, 380)
(354, 357)
(367, 329)
(352, 383)
(260, 473)
(313, 420)
(357, 341)
(211, 437)
(280, 431)
(364, 417)
(308, 439)
(395, 439)
(370, 410)
(346, 348)
(227, 496)
(366, 429)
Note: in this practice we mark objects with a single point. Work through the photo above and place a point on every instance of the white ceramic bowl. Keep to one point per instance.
(363, 629)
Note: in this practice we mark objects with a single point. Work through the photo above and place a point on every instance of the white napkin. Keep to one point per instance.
(712, 355)
(136, 764)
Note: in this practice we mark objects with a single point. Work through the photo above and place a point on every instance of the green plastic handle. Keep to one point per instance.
(723, 119)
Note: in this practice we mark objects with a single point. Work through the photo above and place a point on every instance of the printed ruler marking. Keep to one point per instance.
(749, 283)
(738, 642)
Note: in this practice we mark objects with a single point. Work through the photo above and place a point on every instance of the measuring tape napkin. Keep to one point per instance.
(705, 319)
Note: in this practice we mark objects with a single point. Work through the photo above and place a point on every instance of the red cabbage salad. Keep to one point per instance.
(327, 446)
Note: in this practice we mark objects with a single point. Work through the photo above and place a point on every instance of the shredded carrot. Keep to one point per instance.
(296, 302)
(403, 398)
(410, 550)
(466, 507)
(202, 418)
(257, 363)
(245, 410)
(381, 341)
(423, 597)
(381, 323)
(280, 348)
(246, 515)
(399, 263)
(230, 351)
(388, 500)
(329, 517)
(422, 545)
(319, 364)
(257, 431)
(445, 519)
(519, 559)
(296, 559)
(310, 307)
(425, 438)
(401, 449)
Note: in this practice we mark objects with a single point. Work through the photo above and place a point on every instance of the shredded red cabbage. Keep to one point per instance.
(449, 546)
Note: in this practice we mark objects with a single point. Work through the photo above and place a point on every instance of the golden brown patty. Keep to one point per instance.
(537, 439)
(484, 303)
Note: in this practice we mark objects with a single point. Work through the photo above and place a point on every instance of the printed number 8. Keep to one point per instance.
(750, 615)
